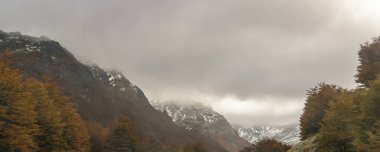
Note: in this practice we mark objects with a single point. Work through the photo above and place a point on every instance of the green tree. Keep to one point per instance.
(369, 58)
(317, 102)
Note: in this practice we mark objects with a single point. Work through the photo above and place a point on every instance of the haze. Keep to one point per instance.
(252, 60)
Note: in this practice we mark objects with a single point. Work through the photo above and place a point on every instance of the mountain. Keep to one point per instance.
(100, 96)
(201, 118)
(288, 135)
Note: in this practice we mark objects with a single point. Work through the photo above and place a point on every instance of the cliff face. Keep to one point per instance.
(203, 119)
(100, 96)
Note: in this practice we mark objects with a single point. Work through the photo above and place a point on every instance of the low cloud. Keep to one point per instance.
(251, 50)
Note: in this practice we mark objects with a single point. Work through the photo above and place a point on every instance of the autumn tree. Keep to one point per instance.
(341, 124)
(61, 127)
(75, 134)
(317, 102)
(369, 58)
(271, 145)
(267, 145)
(370, 116)
(196, 147)
(347, 120)
(35, 116)
(98, 136)
(48, 119)
(374, 138)
(371, 106)
(248, 149)
(352, 121)
(122, 136)
(17, 115)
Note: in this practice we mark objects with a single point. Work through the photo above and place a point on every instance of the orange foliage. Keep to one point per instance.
(34, 115)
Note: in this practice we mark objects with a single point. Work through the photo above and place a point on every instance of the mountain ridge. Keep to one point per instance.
(202, 118)
(187, 114)
(98, 95)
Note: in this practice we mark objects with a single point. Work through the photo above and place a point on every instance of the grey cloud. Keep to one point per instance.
(244, 48)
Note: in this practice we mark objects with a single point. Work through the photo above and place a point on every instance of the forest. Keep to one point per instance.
(346, 120)
(336, 119)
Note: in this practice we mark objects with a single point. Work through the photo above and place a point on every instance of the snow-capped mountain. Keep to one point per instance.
(100, 96)
(190, 116)
(289, 135)
(196, 116)
(200, 118)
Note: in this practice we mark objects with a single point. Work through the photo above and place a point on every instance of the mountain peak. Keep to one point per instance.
(202, 118)
(190, 115)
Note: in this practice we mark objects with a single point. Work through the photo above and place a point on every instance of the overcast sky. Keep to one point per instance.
(252, 60)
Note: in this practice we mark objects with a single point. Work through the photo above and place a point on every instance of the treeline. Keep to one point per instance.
(35, 116)
(345, 120)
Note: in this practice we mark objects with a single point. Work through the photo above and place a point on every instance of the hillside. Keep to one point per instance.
(100, 96)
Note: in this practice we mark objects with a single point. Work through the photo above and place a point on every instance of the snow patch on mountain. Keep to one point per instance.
(202, 118)
(190, 116)
(115, 80)
(21, 43)
(289, 135)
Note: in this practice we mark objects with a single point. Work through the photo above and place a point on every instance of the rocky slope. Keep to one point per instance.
(288, 135)
(99, 96)
(201, 118)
